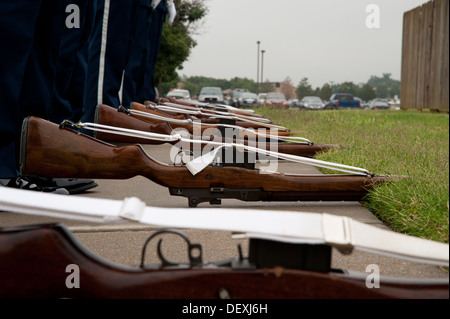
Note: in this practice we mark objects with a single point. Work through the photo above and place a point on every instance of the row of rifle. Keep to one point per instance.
(220, 164)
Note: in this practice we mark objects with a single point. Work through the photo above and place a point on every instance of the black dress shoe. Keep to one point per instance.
(24, 183)
(72, 185)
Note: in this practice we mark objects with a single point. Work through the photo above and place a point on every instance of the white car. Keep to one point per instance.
(179, 94)
(211, 95)
(378, 105)
(262, 98)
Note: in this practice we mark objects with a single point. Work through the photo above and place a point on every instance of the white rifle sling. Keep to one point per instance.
(296, 227)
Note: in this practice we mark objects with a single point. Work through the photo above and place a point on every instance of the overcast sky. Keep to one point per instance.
(323, 40)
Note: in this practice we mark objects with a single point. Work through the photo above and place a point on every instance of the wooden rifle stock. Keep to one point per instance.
(50, 151)
(110, 116)
(34, 260)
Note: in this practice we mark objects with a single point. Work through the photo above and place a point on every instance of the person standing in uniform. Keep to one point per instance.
(31, 31)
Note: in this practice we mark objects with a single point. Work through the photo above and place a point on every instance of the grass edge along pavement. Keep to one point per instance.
(411, 143)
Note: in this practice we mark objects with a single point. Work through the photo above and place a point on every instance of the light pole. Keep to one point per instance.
(262, 64)
(257, 66)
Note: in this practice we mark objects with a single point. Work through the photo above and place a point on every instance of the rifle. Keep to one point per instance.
(122, 118)
(282, 263)
(206, 118)
(49, 150)
(220, 107)
(205, 109)
(110, 116)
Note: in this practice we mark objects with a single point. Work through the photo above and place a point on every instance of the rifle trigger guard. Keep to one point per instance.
(194, 250)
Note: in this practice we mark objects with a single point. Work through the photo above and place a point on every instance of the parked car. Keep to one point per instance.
(362, 104)
(311, 103)
(378, 105)
(276, 99)
(342, 101)
(261, 98)
(210, 94)
(179, 94)
(293, 103)
(235, 95)
(247, 99)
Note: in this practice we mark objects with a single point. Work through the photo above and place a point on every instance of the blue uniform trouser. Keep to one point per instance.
(147, 90)
(122, 54)
(29, 33)
(71, 68)
(40, 73)
(136, 67)
(139, 84)
(109, 52)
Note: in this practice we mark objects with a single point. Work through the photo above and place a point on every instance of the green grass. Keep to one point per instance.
(411, 143)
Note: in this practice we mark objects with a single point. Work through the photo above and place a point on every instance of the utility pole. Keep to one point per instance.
(257, 68)
(262, 64)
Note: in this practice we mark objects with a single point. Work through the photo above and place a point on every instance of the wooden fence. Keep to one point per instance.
(425, 59)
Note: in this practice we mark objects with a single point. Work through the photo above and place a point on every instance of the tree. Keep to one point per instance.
(395, 89)
(166, 86)
(195, 83)
(326, 91)
(304, 89)
(176, 39)
(349, 87)
(367, 92)
(287, 88)
(193, 88)
(267, 87)
(242, 83)
(385, 87)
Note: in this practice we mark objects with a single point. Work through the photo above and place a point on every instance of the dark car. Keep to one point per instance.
(247, 99)
(311, 103)
(235, 95)
(342, 101)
